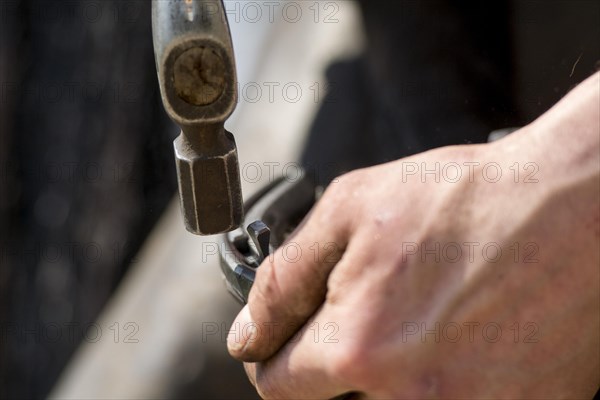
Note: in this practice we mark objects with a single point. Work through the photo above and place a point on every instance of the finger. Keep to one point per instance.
(303, 369)
(291, 284)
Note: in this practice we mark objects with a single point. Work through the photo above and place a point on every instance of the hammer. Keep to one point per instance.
(198, 86)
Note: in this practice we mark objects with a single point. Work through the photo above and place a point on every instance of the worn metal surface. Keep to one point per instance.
(196, 74)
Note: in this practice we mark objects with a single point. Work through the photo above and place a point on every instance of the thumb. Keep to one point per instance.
(290, 285)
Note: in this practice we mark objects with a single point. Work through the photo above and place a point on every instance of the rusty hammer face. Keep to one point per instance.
(197, 78)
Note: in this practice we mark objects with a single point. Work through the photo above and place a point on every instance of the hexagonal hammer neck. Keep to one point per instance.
(208, 139)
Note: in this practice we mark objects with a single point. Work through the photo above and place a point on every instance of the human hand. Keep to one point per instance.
(408, 286)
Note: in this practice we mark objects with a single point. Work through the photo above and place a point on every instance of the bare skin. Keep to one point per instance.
(405, 263)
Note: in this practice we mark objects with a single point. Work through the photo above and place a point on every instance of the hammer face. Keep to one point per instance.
(209, 186)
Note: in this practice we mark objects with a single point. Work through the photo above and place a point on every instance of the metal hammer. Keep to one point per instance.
(198, 85)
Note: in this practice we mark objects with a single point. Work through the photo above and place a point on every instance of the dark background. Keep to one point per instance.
(87, 169)
(437, 73)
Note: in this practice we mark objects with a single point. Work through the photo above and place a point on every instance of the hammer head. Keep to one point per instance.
(196, 74)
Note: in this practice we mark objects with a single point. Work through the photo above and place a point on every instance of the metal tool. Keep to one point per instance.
(197, 78)
(271, 215)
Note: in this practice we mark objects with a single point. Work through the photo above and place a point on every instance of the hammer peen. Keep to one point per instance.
(197, 79)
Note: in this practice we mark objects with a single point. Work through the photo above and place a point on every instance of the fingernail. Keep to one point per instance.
(242, 331)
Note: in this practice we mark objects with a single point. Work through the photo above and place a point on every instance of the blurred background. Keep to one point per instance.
(103, 294)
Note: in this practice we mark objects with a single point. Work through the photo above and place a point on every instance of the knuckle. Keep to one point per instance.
(346, 181)
(342, 189)
(343, 199)
(350, 364)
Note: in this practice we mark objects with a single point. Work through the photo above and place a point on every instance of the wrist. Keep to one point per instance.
(565, 141)
(567, 137)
